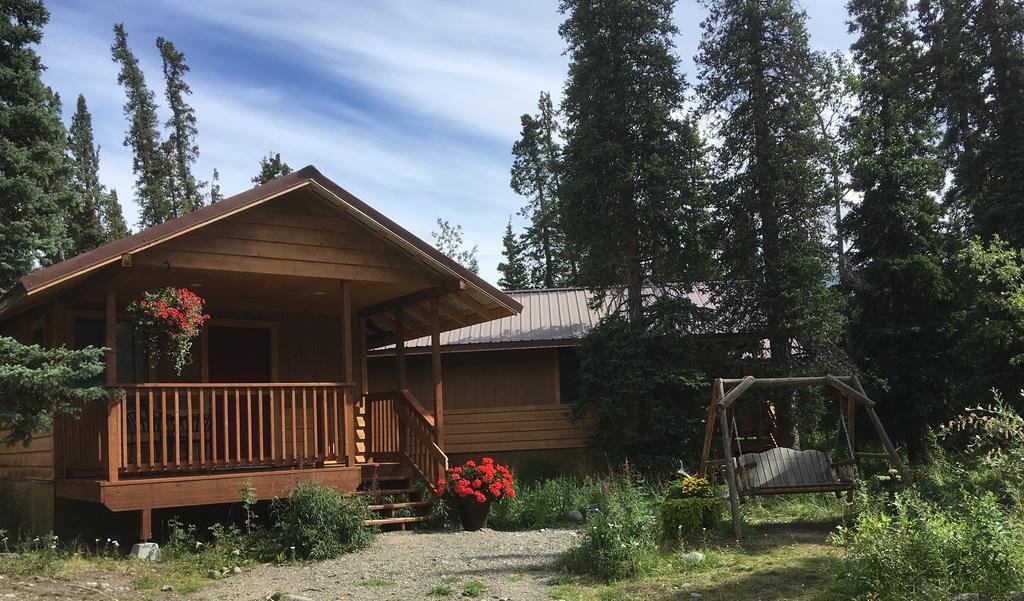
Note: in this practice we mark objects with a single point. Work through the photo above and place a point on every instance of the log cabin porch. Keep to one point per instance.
(300, 278)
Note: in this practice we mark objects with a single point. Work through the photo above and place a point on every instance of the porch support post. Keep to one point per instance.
(435, 369)
(145, 524)
(348, 404)
(400, 348)
(113, 405)
(400, 369)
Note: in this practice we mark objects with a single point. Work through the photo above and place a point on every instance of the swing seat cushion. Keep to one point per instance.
(780, 469)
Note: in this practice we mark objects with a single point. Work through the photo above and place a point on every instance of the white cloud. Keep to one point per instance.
(411, 106)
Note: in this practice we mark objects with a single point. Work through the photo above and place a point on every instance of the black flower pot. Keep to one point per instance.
(474, 515)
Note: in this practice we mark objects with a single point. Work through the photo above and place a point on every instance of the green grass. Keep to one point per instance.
(473, 589)
(792, 564)
(513, 577)
(441, 591)
(823, 509)
(377, 583)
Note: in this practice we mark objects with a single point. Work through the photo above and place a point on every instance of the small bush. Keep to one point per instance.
(620, 539)
(913, 549)
(317, 522)
(682, 518)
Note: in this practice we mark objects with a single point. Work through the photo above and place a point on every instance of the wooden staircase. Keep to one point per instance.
(388, 487)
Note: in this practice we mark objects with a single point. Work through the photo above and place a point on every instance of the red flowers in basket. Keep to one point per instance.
(167, 320)
(482, 483)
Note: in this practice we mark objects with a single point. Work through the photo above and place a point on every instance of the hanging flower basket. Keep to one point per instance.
(473, 488)
(167, 320)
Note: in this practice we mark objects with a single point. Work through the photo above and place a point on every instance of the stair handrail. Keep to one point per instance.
(426, 425)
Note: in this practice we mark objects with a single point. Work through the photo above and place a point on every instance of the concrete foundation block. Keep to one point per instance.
(150, 551)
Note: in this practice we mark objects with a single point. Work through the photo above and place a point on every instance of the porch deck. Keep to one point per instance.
(165, 445)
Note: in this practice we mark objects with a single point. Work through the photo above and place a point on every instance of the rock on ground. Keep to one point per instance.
(407, 565)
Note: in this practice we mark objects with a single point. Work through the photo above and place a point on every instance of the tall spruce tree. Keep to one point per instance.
(271, 167)
(85, 225)
(34, 172)
(771, 203)
(180, 147)
(535, 167)
(631, 178)
(114, 226)
(901, 294)
(514, 275)
(149, 162)
(976, 58)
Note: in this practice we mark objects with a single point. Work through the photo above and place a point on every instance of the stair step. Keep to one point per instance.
(405, 505)
(392, 521)
(388, 478)
(383, 492)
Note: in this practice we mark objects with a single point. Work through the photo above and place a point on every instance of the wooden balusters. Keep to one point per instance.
(232, 429)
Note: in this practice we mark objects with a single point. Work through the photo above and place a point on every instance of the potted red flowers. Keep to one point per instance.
(473, 487)
(167, 320)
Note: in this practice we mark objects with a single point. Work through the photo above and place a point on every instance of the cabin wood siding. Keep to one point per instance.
(512, 429)
(34, 462)
(477, 380)
(494, 400)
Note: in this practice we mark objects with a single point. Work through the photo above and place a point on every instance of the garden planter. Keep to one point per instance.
(473, 514)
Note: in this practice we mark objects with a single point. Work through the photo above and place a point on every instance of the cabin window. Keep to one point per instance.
(568, 374)
(131, 361)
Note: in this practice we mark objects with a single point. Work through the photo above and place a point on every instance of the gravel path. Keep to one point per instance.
(400, 565)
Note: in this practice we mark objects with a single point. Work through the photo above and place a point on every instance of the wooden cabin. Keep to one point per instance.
(300, 278)
(510, 383)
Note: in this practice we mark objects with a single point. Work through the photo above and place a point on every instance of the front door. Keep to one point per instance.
(239, 355)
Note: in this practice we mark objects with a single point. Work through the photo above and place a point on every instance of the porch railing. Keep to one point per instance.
(398, 426)
(189, 427)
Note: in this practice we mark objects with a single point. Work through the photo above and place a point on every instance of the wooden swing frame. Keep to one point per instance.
(724, 394)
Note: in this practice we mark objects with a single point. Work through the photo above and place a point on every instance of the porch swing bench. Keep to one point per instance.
(781, 470)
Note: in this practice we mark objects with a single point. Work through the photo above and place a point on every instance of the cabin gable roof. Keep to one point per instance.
(318, 196)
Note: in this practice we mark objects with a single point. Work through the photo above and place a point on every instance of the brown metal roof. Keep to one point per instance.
(308, 176)
(551, 317)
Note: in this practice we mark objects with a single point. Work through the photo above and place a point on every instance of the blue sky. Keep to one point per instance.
(411, 106)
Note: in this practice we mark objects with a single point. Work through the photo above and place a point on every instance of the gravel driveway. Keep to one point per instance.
(409, 565)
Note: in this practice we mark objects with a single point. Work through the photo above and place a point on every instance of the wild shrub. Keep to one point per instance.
(914, 549)
(992, 459)
(620, 539)
(317, 522)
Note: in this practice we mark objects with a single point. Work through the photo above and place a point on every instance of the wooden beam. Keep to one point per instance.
(730, 467)
(709, 431)
(849, 391)
(114, 406)
(400, 348)
(145, 524)
(785, 382)
(729, 398)
(419, 296)
(348, 402)
(435, 370)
